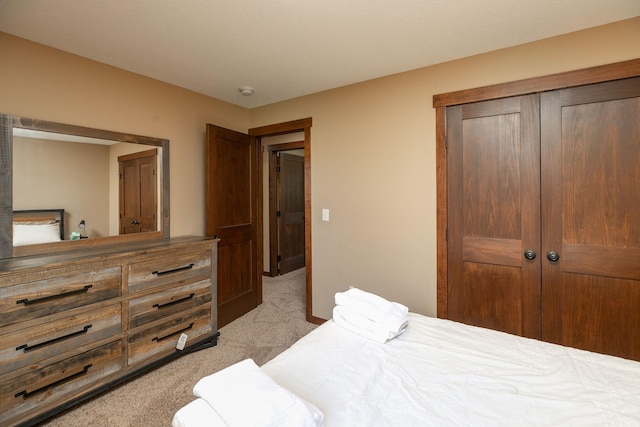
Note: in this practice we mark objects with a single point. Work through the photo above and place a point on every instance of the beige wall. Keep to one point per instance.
(372, 145)
(373, 161)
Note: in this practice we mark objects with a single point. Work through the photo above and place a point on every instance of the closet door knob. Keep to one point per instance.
(553, 256)
(530, 254)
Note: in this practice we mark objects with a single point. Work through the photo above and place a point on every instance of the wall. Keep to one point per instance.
(44, 83)
(373, 161)
(372, 145)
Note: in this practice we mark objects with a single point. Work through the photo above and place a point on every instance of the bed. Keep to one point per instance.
(440, 372)
(36, 226)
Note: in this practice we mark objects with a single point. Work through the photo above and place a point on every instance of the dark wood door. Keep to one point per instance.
(591, 217)
(138, 192)
(232, 212)
(493, 179)
(291, 212)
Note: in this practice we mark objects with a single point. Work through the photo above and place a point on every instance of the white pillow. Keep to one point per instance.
(244, 395)
(25, 233)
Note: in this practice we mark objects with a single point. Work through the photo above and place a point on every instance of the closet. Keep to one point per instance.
(539, 208)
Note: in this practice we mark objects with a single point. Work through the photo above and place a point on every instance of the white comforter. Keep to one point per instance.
(449, 374)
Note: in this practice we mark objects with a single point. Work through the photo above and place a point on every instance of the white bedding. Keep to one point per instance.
(445, 373)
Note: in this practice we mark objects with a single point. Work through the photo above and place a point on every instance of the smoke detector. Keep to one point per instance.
(246, 91)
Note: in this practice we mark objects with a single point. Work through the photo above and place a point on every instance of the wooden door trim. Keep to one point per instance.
(599, 74)
(302, 125)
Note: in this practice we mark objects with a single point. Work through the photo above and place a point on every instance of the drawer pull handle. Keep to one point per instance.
(27, 347)
(173, 301)
(186, 328)
(173, 270)
(25, 393)
(27, 301)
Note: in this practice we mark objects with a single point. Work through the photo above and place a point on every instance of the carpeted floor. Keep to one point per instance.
(152, 398)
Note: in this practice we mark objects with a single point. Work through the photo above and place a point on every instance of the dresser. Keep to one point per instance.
(75, 323)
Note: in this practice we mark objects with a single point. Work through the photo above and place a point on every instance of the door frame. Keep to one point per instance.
(598, 74)
(301, 125)
(273, 150)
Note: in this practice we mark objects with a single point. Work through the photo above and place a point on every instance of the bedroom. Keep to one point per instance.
(362, 244)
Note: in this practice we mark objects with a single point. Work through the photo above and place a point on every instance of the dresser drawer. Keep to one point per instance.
(167, 303)
(181, 268)
(37, 343)
(161, 338)
(57, 293)
(46, 385)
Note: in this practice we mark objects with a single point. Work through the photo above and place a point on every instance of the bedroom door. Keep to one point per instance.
(494, 217)
(290, 221)
(231, 214)
(591, 217)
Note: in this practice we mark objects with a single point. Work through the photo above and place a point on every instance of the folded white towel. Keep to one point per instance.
(391, 315)
(365, 327)
(197, 414)
(243, 395)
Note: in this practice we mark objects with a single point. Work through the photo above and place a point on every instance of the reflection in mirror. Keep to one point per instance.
(81, 176)
(99, 178)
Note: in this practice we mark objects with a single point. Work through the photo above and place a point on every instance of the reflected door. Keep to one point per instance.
(138, 192)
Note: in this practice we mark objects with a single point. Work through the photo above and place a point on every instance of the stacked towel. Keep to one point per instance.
(370, 315)
(243, 395)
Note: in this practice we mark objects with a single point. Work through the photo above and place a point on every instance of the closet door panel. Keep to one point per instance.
(493, 194)
(591, 217)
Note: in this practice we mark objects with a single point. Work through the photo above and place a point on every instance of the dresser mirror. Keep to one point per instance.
(96, 187)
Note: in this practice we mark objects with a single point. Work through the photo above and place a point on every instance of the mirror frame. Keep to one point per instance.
(7, 124)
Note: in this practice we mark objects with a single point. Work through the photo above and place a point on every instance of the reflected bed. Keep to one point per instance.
(36, 226)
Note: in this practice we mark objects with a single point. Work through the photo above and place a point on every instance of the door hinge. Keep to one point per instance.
(278, 214)
(277, 169)
(279, 258)
(446, 142)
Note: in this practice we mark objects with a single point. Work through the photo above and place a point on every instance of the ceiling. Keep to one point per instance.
(288, 48)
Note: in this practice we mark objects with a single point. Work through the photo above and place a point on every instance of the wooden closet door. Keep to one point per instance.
(591, 217)
(493, 162)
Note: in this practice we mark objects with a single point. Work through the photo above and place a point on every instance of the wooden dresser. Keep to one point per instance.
(75, 323)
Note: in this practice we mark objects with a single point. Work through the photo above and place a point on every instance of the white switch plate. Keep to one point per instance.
(325, 214)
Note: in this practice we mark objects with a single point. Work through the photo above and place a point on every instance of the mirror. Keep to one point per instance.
(95, 176)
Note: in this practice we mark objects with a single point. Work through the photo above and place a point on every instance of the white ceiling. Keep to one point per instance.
(289, 48)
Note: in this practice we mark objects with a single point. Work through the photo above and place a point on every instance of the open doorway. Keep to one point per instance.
(297, 130)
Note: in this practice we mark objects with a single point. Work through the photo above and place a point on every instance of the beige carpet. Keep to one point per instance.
(152, 398)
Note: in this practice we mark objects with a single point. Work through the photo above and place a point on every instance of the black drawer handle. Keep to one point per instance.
(172, 302)
(27, 347)
(27, 301)
(173, 270)
(170, 334)
(25, 394)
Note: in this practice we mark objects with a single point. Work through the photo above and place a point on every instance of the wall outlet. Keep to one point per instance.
(325, 214)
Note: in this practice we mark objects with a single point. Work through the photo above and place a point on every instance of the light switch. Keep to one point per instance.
(325, 214)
